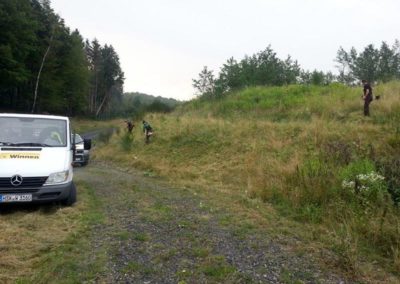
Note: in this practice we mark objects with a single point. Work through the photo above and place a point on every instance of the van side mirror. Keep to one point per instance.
(87, 144)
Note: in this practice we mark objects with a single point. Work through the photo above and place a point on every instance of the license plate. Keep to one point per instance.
(78, 159)
(16, 198)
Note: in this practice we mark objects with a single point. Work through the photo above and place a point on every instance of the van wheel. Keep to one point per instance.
(71, 199)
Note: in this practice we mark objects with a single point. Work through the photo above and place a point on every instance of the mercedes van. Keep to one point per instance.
(36, 156)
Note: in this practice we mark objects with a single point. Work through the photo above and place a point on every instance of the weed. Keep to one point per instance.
(199, 252)
(123, 235)
(347, 248)
(126, 142)
(132, 266)
(217, 268)
(141, 237)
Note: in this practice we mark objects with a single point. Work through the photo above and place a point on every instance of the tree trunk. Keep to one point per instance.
(40, 72)
(102, 103)
(95, 91)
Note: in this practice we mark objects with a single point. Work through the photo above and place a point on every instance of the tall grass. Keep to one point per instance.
(293, 147)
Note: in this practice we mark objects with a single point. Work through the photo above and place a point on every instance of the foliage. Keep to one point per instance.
(371, 64)
(36, 48)
(135, 105)
(107, 77)
(263, 68)
(206, 82)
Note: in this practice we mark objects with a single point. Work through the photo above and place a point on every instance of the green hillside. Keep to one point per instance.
(307, 150)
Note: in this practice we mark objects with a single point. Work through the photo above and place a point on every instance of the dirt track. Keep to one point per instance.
(156, 233)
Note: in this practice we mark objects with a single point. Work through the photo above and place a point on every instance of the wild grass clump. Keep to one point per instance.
(126, 142)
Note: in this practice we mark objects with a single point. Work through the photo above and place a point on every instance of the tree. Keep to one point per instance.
(44, 67)
(291, 70)
(372, 64)
(344, 64)
(94, 58)
(205, 85)
(112, 77)
(366, 64)
(387, 65)
(17, 42)
(75, 74)
(230, 75)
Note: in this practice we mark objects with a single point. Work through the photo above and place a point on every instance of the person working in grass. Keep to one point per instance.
(367, 96)
(148, 130)
(129, 125)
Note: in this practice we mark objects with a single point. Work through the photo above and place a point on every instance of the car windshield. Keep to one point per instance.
(29, 131)
(78, 139)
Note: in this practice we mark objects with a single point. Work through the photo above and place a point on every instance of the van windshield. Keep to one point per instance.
(78, 139)
(27, 131)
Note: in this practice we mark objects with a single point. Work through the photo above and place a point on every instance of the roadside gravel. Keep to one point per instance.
(156, 233)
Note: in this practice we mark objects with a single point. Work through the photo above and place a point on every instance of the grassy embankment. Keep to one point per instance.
(291, 147)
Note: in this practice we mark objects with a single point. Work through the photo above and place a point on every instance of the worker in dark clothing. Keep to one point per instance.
(148, 130)
(367, 96)
(129, 125)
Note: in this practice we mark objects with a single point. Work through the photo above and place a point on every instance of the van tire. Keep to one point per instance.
(71, 199)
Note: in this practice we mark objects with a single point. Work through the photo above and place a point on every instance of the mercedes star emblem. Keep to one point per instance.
(16, 180)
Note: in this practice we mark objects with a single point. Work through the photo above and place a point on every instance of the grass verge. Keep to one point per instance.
(50, 243)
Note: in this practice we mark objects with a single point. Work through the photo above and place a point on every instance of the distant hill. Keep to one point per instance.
(139, 103)
(146, 99)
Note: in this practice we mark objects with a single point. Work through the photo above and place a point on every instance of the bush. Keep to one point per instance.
(126, 142)
(363, 182)
(352, 170)
(390, 167)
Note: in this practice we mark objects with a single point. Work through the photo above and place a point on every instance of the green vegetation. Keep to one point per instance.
(46, 67)
(137, 104)
(307, 150)
(266, 69)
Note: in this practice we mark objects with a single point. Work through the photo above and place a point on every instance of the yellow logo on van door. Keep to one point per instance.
(20, 156)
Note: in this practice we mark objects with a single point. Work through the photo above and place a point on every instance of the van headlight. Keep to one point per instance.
(56, 178)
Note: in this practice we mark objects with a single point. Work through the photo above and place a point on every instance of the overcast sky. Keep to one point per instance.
(163, 44)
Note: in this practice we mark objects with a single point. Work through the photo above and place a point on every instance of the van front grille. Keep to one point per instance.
(26, 182)
(19, 190)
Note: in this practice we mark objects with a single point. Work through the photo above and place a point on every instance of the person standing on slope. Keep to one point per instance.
(367, 96)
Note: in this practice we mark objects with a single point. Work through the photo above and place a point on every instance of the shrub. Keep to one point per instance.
(370, 187)
(390, 167)
(352, 170)
(126, 142)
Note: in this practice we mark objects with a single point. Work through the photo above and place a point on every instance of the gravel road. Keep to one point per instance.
(156, 233)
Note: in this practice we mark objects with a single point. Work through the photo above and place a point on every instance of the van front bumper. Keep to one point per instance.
(50, 193)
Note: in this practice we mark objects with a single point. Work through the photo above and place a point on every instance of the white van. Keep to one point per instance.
(36, 155)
